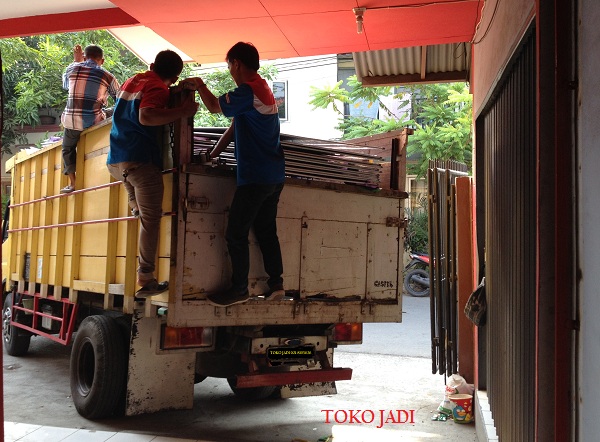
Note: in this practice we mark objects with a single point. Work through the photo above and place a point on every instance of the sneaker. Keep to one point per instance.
(67, 189)
(135, 212)
(153, 287)
(275, 292)
(229, 297)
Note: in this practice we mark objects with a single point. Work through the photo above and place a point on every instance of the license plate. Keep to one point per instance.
(300, 352)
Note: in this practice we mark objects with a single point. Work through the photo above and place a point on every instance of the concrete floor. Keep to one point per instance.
(391, 371)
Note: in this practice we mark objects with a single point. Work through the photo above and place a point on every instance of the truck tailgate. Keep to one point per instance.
(341, 247)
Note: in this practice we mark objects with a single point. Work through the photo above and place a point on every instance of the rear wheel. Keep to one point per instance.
(414, 285)
(98, 367)
(16, 340)
(253, 393)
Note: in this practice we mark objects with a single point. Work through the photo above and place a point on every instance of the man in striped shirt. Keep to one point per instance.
(89, 86)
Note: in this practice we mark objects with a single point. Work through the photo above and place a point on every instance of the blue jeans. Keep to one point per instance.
(254, 206)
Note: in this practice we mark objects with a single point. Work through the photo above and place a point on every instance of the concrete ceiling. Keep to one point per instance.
(203, 30)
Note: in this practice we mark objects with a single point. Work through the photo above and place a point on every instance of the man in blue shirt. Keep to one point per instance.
(260, 171)
(135, 154)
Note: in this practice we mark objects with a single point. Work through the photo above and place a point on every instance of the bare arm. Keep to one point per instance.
(208, 98)
(77, 58)
(78, 54)
(210, 101)
(223, 142)
(157, 117)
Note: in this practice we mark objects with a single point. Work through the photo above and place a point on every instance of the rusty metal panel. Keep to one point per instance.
(383, 254)
(507, 132)
(337, 245)
(157, 379)
(442, 274)
(334, 258)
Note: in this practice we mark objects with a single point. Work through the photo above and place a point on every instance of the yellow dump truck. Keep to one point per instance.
(69, 267)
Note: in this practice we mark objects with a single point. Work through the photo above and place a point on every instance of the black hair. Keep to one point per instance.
(168, 64)
(246, 53)
(94, 52)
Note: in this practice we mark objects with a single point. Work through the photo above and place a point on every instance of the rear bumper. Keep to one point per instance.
(293, 377)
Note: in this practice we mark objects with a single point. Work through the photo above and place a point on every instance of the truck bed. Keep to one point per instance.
(341, 243)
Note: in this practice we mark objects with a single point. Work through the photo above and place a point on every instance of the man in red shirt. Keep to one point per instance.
(135, 154)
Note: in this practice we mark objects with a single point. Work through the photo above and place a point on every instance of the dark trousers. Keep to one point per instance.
(254, 206)
(69, 150)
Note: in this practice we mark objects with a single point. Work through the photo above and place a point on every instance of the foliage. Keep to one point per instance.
(219, 82)
(357, 127)
(356, 95)
(441, 116)
(443, 125)
(32, 69)
(416, 234)
(329, 95)
(371, 95)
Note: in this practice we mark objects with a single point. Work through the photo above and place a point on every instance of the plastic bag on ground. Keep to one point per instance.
(455, 384)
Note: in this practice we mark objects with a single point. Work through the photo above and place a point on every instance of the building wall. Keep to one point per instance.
(589, 214)
(301, 74)
(492, 51)
(490, 58)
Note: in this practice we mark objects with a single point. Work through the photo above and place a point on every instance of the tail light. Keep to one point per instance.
(348, 333)
(186, 337)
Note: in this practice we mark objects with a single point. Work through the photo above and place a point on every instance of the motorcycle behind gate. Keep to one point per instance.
(416, 275)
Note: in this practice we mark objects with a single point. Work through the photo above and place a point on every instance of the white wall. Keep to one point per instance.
(589, 216)
(302, 73)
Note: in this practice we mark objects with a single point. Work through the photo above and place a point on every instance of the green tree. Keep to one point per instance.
(416, 233)
(443, 120)
(440, 115)
(32, 70)
(356, 95)
(323, 97)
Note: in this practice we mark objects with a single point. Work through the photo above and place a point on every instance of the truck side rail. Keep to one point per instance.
(63, 244)
(66, 318)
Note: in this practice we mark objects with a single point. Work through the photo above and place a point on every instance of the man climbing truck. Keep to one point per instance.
(69, 266)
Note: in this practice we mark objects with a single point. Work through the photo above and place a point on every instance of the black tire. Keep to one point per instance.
(98, 367)
(253, 393)
(16, 340)
(413, 287)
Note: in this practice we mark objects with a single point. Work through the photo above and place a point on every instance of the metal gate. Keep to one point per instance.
(442, 271)
(506, 134)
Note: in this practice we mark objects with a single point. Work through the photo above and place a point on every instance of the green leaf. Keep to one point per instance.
(329, 95)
